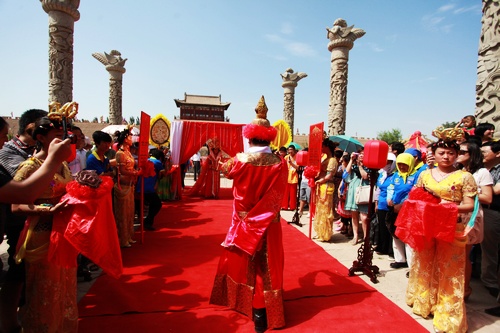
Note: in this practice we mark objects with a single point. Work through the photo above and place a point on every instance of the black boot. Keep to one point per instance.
(260, 320)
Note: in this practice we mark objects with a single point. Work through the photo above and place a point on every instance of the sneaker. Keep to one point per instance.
(493, 311)
(398, 265)
(492, 291)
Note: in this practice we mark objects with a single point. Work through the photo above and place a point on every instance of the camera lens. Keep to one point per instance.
(72, 138)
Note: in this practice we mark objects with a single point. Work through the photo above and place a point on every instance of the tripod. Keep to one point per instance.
(365, 252)
(296, 216)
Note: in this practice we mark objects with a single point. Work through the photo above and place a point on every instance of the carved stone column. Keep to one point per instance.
(342, 40)
(488, 67)
(290, 80)
(115, 65)
(62, 17)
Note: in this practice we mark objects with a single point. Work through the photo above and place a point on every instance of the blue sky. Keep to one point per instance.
(413, 70)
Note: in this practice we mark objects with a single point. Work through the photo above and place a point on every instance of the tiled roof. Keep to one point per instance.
(201, 100)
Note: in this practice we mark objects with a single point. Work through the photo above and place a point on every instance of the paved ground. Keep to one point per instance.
(392, 282)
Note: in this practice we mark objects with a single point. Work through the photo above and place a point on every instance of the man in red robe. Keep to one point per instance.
(250, 273)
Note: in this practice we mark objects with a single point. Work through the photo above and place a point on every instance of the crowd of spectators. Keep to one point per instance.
(461, 166)
(461, 170)
(35, 166)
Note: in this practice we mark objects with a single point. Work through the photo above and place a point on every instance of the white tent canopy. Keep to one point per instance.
(111, 129)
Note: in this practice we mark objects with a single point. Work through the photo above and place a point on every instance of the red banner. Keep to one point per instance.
(144, 140)
(315, 153)
(315, 142)
(142, 157)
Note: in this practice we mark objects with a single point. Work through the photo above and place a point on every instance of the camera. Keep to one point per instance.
(72, 138)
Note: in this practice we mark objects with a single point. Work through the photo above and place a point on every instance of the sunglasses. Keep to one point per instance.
(463, 152)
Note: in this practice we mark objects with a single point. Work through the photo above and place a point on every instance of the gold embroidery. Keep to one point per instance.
(259, 159)
(242, 215)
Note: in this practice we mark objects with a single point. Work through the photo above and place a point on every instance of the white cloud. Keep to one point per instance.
(295, 48)
(286, 28)
(431, 22)
(300, 49)
(375, 47)
(447, 28)
(275, 39)
(273, 56)
(446, 8)
(439, 20)
(392, 38)
(467, 9)
(277, 57)
(426, 79)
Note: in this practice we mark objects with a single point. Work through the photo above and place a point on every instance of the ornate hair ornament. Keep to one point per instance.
(447, 138)
(260, 128)
(448, 134)
(89, 178)
(128, 129)
(213, 143)
(58, 112)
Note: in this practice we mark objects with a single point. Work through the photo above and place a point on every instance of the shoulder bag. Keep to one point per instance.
(362, 196)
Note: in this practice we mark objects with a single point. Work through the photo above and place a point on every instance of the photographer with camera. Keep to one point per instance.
(78, 140)
(358, 176)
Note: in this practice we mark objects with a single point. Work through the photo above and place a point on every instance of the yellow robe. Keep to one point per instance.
(436, 283)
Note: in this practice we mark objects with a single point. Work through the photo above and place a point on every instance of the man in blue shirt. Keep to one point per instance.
(150, 196)
(97, 160)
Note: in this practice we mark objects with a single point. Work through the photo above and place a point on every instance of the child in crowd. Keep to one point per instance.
(468, 124)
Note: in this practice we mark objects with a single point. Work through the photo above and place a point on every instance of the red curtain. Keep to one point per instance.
(196, 133)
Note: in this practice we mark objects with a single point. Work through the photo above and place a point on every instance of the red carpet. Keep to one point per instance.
(167, 283)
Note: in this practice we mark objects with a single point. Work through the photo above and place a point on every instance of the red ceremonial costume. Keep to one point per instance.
(90, 227)
(250, 272)
(208, 184)
(253, 247)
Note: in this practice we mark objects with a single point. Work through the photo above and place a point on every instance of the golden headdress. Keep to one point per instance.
(260, 128)
(448, 134)
(447, 138)
(58, 112)
(213, 143)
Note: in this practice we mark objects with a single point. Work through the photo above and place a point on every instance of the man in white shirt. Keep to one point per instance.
(80, 161)
(196, 164)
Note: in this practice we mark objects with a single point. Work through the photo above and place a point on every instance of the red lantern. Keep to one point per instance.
(375, 154)
(302, 158)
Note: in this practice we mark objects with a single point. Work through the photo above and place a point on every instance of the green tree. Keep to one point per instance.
(393, 135)
(449, 124)
(137, 121)
(131, 120)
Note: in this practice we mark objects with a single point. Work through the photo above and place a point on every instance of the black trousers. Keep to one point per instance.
(196, 169)
(154, 203)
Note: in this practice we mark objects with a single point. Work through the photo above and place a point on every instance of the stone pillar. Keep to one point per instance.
(115, 65)
(62, 17)
(342, 40)
(488, 67)
(290, 80)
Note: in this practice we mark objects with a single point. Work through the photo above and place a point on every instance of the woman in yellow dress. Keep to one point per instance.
(325, 188)
(124, 189)
(436, 282)
(50, 289)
